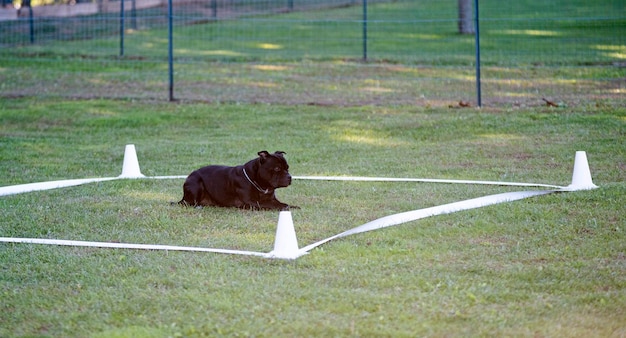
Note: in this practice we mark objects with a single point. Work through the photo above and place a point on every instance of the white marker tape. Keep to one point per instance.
(433, 211)
(21, 188)
(167, 177)
(422, 180)
(127, 246)
(286, 246)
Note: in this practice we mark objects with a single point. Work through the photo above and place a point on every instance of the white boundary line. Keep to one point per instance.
(380, 223)
(581, 180)
(127, 246)
(29, 187)
(22, 188)
(422, 180)
(414, 215)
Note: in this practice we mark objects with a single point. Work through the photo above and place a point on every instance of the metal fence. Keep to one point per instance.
(345, 52)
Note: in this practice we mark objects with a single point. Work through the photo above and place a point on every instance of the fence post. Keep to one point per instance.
(170, 49)
(133, 14)
(31, 24)
(122, 28)
(364, 30)
(31, 20)
(478, 90)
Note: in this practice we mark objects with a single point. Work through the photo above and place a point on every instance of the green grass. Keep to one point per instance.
(546, 266)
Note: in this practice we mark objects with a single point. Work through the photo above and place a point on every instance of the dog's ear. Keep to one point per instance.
(279, 153)
(263, 154)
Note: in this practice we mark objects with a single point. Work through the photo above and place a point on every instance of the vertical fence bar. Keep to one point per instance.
(31, 20)
(133, 14)
(477, 24)
(31, 23)
(170, 49)
(122, 27)
(364, 30)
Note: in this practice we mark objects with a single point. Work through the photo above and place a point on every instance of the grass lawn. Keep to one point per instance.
(548, 266)
(552, 265)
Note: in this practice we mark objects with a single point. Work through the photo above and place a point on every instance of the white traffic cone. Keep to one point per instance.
(130, 168)
(286, 243)
(581, 177)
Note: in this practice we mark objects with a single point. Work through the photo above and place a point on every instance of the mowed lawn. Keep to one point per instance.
(553, 265)
(548, 266)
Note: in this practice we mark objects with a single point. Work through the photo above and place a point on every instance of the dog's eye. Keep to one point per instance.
(277, 169)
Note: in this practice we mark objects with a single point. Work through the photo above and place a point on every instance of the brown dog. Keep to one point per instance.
(248, 186)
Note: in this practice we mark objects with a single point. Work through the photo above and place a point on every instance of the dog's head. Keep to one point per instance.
(273, 169)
